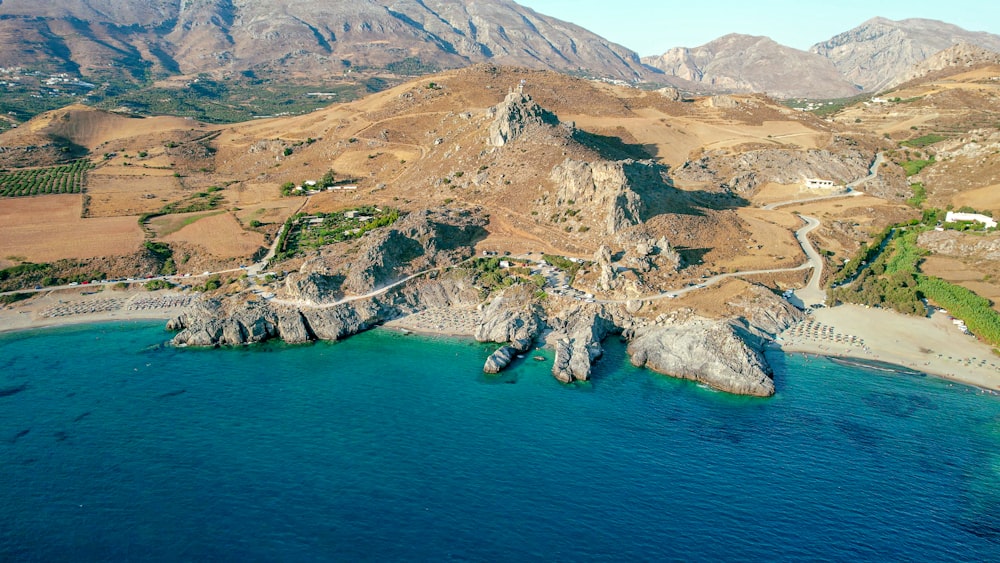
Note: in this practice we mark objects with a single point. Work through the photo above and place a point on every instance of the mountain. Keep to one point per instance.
(306, 36)
(957, 58)
(877, 53)
(746, 63)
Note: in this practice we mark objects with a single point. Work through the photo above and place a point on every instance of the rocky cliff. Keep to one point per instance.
(616, 191)
(725, 354)
(514, 116)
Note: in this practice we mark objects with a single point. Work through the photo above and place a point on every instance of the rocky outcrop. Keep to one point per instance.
(514, 116)
(721, 354)
(962, 245)
(763, 312)
(242, 319)
(381, 260)
(952, 59)
(513, 317)
(577, 336)
(613, 190)
(419, 241)
(216, 322)
(606, 269)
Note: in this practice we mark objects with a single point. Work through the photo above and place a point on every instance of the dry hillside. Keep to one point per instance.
(565, 168)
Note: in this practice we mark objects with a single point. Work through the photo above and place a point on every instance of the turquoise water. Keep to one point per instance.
(390, 447)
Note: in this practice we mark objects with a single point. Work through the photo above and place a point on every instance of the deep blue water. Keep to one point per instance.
(390, 447)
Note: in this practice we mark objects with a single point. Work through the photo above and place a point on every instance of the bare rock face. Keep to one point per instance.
(578, 333)
(513, 317)
(957, 57)
(720, 354)
(877, 52)
(746, 63)
(610, 189)
(514, 116)
(764, 312)
(744, 173)
(318, 36)
(606, 280)
(962, 245)
(229, 323)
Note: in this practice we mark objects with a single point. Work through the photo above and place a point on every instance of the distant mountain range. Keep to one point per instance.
(873, 56)
(192, 36)
(313, 40)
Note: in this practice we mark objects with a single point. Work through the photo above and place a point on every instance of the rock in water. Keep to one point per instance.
(499, 360)
(720, 354)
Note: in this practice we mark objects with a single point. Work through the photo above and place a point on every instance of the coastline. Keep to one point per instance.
(931, 346)
(67, 308)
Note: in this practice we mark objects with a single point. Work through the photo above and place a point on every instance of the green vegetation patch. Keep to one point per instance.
(913, 167)
(564, 264)
(889, 281)
(65, 179)
(309, 232)
(926, 140)
(886, 274)
(153, 285)
(231, 100)
(14, 298)
(919, 195)
(961, 303)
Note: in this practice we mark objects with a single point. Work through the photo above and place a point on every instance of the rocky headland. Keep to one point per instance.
(425, 262)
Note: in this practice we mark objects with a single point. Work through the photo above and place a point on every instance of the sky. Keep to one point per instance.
(651, 27)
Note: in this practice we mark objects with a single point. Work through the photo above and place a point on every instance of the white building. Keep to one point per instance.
(817, 184)
(953, 217)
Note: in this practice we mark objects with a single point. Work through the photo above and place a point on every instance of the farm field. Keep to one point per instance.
(219, 233)
(65, 179)
(117, 195)
(45, 229)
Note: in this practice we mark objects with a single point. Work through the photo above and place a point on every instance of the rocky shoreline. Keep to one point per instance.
(725, 354)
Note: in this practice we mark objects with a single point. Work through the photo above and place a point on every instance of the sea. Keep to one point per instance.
(392, 447)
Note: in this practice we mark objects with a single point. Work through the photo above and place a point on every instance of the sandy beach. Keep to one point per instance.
(67, 307)
(930, 345)
(442, 321)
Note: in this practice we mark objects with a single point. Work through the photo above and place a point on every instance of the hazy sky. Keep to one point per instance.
(650, 27)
